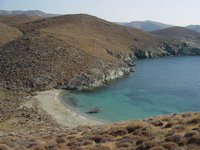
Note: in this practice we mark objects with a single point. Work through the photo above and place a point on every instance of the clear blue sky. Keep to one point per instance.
(176, 12)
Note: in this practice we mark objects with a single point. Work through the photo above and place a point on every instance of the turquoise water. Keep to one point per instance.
(158, 86)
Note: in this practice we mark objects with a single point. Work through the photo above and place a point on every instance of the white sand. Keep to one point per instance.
(50, 102)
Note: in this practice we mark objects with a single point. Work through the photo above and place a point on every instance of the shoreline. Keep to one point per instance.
(53, 105)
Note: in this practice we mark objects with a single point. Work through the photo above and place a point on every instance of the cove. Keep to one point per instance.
(158, 86)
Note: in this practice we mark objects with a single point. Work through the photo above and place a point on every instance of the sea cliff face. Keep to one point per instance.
(99, 79)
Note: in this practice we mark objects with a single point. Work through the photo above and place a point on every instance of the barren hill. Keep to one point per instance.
(178, 32)
(13, 20)
(194, 27)
(8, 33)
(95, 35)
(147, 25)
(28, 12)
(78, 52)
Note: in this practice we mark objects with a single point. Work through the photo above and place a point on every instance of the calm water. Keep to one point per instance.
(158, 86)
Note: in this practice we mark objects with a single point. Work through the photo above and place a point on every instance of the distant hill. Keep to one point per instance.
(28, 12)
(194, 27)
(8, 33)
(146, 25)
(178, 32)
(13, 20)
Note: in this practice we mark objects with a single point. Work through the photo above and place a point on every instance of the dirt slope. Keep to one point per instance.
(8, 33)
(14, 20)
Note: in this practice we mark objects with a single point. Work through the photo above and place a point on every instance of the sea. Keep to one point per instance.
(158, 86)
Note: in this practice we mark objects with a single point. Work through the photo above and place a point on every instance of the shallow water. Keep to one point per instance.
(158, 86)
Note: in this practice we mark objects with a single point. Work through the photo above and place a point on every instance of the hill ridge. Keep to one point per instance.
(29, 12)
(178, 32)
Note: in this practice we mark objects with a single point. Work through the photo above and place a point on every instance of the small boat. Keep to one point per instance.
(95, 110)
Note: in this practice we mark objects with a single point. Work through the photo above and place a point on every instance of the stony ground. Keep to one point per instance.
(14, 115)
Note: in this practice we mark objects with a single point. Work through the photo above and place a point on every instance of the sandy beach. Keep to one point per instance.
(50, 102)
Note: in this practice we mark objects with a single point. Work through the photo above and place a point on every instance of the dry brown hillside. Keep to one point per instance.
(14, 20)
(96, 36)
(8, 33)
(108, 48)
(41, 61)
(178, 32)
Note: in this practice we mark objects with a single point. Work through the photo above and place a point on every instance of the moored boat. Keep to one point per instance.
(95, 110)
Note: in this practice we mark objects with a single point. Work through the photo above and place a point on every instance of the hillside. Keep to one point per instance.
(8, 33)
(96, 36)
(100, 52)
(178, 32)
(146, 25)
(194, 27)
(28, 12)
(13, 20)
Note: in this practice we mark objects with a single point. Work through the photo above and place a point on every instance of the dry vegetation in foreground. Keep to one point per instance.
(171, 132)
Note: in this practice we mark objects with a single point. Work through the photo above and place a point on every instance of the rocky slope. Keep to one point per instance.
(43, 62)
(8, 33)
(190, 39)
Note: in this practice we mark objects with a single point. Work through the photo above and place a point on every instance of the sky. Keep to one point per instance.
(174, 12)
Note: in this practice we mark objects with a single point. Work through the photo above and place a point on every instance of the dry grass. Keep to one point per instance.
(116, 136)
(96, 36)
(13, 20)
(177, 32)
(8, 33)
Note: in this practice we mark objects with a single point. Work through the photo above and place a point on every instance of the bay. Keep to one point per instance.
(158, 86)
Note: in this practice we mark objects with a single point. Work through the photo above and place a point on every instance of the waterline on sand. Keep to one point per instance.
(50, 102)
